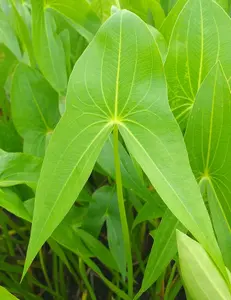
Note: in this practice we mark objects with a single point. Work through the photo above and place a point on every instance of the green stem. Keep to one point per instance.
(85, 279)
(55, 272)
(122, 211)
(44, 270)
(168, 287)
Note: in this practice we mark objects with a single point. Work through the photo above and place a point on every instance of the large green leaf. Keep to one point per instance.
(119, 81)
(80, 14)
(198, 41)
(18, 168)
(4, 294)
(208, 138)
(35, 108)
(48, 47)
(201, 277)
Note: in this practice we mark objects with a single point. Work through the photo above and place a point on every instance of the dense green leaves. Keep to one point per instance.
(113, 85)
(35, 109)
(96, 200)
(200, 275)
(80, 14)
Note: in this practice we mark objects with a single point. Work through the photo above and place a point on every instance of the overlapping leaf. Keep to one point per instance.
(8, 37)
(201, 277)
(105, 208)
(35, 108)
(48, 48)
(163, 250)
(80, 14)
(119, 81)
(208, 139)
(198, 41)
(11, 202)
(19, 168)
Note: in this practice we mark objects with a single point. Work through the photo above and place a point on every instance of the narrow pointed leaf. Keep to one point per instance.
(149, 211)
(12, 203)
(98, 249)
(8, 37)
(119, 80)
(196, 44)
(201, 277)
(35, 108)
(48, 47)
(23, 32)
(169, 23)
(208, 139)
(163, 250)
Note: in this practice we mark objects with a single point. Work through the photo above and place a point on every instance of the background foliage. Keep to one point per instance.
(115, 144)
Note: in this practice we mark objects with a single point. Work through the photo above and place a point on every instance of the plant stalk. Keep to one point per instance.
(122, 211)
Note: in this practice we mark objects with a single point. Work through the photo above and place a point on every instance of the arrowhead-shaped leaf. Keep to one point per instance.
(119, 81)
(208, 139)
